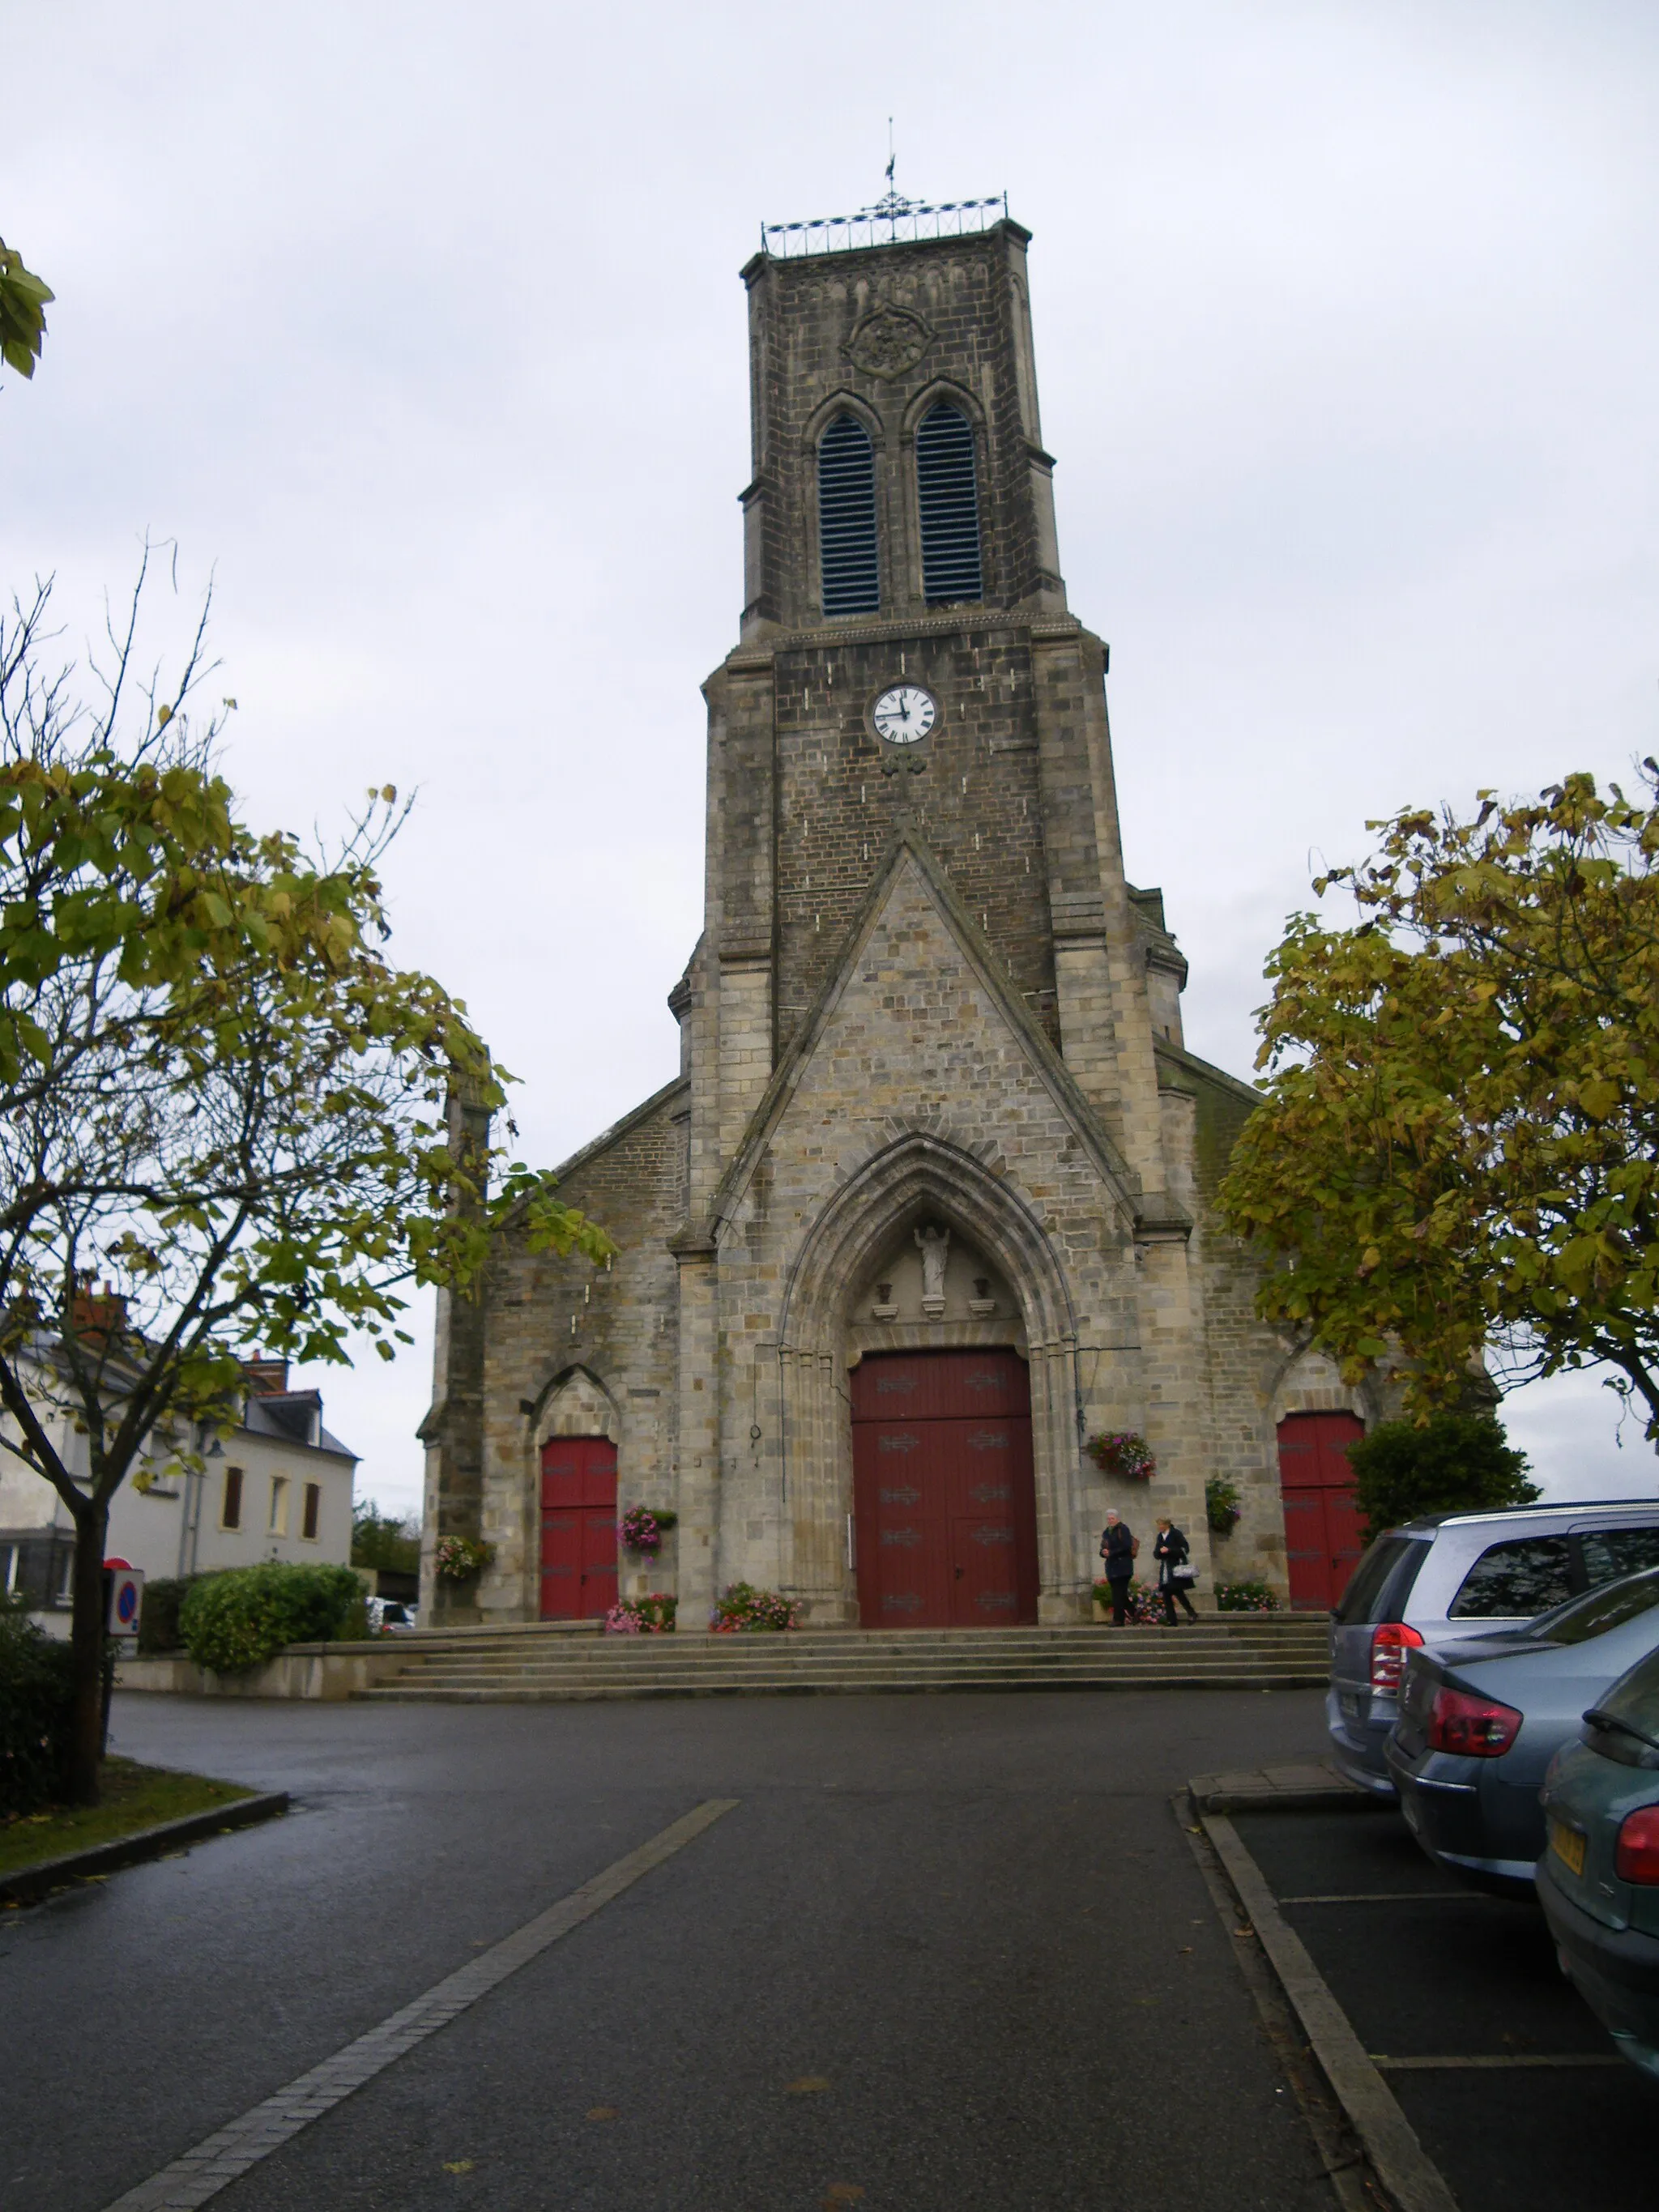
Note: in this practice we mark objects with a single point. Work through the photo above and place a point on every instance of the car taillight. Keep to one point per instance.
(1390, 1644)
(1638, 1857)
(1475, 1727)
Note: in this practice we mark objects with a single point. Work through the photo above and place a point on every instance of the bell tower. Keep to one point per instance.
(907, 663)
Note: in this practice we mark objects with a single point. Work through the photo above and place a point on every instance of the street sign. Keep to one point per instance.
(126, 1599)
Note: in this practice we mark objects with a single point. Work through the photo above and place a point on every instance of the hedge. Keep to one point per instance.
(240, 1619)
(158, 1620)
(37, 1711)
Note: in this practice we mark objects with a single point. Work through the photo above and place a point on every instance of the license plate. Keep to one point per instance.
(1568, 1846)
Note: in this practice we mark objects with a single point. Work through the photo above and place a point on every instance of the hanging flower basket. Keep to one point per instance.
(1127, 1454)
(1221, 1507)
(459, 1558)
(642, 1528)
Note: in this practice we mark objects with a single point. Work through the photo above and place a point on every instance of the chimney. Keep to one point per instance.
(98, 1313)
(266, 1378)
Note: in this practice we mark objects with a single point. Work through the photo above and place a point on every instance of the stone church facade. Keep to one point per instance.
(935, 1128)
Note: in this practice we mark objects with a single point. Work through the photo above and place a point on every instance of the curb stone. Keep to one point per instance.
(29, 1884)
(1314, 1787)
(1408, 2174)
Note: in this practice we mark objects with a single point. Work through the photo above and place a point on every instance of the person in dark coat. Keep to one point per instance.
(1118, 1547)
(1172, 1551)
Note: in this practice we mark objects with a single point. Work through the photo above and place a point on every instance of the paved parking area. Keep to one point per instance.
(1511, 2085)
(941, 1952)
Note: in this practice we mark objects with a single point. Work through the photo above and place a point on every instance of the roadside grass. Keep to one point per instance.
(134, 1797)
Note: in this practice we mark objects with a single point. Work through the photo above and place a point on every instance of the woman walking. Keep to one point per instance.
(1173, 1554)
(1118, 1546)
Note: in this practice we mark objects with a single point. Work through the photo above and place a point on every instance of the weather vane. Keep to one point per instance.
(892, 206)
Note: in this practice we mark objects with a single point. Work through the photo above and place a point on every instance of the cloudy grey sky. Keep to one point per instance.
(420, 327)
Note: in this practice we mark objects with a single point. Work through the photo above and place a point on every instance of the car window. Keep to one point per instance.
(1382, 1580)
(1610, 1552)
(1635, 1697)
(1599, 1610)
(1526, 1576)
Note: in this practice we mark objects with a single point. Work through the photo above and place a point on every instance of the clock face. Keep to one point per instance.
(904, 714)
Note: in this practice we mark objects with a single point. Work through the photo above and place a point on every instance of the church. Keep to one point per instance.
(929, 1205)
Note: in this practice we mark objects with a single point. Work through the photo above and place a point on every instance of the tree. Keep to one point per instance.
(23, 300)
(1457, 1150)
(390, 1541)
(1452, 1463)
(227, 1122)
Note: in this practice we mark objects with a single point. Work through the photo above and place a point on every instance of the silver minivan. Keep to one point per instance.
(1452, 1576)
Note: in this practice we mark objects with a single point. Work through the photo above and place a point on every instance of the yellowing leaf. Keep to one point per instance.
(1598, 1098)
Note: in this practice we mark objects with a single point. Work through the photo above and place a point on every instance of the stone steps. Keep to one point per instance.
(498, 1666)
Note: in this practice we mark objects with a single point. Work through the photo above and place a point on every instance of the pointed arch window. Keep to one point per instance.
(947, 495)
(847, 519)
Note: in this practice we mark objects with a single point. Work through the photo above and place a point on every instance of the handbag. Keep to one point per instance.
(1186, 1573)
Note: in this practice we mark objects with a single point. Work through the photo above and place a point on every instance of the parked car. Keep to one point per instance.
(1449, 1575)
(1598, 1879)
(389, 1616)
(1481, 1722)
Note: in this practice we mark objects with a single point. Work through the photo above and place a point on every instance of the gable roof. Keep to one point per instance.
(906, 848)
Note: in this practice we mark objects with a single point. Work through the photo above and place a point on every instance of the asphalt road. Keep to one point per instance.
(974, 1919)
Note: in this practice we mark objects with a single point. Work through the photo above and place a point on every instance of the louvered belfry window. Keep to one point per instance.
(847, 519)
(948, 497)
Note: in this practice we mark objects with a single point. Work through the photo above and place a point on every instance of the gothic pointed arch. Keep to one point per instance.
(948, 506)
(919, 1173)
(849, 563)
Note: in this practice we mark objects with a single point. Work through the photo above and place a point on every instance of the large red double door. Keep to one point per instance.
(579, 1527)
(1324, 1533)
(945, 1505)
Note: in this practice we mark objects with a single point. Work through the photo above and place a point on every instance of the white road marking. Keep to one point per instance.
(203, 2172)
(1501, 2058)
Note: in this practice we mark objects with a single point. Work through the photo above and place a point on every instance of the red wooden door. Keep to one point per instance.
(579, 1527)
(1322, 1526)
(944, 1503)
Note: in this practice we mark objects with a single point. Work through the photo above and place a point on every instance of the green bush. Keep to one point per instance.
(240, 1619)
(1455, 1463)
(158, 1617)
(1244, 1597)
(743, 1609)
(37, 1709)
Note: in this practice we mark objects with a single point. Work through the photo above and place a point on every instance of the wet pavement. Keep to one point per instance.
(944, 1951)
(1434, 1976)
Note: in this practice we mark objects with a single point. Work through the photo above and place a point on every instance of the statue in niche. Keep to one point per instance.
(934, 1243)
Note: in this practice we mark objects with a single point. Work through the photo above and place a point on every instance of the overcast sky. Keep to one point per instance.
(420, 328)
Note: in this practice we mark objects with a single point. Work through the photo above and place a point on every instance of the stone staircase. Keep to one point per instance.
(534, 1664)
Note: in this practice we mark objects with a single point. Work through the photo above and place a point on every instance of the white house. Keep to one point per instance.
(278, 1488)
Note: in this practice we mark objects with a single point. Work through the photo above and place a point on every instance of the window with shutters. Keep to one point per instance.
(847, 519)
(947, 498)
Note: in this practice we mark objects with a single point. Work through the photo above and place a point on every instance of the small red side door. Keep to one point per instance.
(1322, 1527)
(579, 1527)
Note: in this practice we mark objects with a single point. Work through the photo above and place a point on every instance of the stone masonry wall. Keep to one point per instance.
(548, 1321)
(974, 796)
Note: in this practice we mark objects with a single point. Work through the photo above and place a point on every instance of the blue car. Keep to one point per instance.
(1598, 1881)
(1480, 1721)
